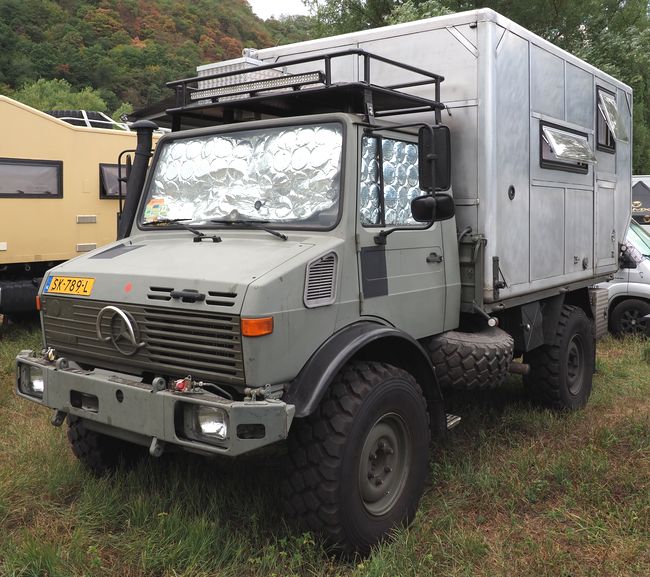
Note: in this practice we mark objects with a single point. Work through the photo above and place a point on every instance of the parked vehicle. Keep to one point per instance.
(349, 235)
(629, 290)
(58, 194)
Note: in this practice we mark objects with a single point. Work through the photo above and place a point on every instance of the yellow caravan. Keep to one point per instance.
(58, 196)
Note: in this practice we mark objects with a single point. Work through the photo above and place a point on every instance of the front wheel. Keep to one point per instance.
(98, 453)
(359, 463)
(561, 373)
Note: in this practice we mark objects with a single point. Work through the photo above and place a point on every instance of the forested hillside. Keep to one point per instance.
(125, 49)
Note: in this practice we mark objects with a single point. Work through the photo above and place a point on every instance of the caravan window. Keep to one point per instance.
(564, 149)
(31, 178)
(389, 181)
(609, 125)
(109, 185)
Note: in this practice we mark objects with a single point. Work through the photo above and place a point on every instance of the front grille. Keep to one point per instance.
(176, 342)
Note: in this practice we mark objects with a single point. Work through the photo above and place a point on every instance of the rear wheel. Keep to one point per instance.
(626, 317)
(101, 454)
(359, 463)
(561, 372)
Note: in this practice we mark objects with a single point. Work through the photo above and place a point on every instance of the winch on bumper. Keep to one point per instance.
(123, 406)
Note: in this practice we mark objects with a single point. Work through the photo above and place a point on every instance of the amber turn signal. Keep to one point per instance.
(38, 303)
(257, 327)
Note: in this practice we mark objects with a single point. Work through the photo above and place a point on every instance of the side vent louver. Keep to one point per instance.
(320, 283)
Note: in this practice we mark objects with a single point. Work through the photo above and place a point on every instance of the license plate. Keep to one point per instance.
(69, 285)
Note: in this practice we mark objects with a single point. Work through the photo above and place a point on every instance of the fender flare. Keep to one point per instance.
(365, 340)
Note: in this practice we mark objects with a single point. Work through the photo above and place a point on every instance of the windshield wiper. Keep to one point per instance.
(256, 224)
(198, 235)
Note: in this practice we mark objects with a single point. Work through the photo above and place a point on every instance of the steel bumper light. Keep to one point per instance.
(206, 423)
(32, 381)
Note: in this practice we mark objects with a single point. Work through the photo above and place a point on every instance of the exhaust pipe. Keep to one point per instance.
(135, 184)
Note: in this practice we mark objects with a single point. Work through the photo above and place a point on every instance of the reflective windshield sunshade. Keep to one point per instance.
(288, 174)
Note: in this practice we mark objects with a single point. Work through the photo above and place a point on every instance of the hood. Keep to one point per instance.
(147, 269)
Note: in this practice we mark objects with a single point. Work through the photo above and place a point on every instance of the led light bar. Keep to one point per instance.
(286, 81)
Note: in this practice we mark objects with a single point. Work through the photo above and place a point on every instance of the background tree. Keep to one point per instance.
(59, 95)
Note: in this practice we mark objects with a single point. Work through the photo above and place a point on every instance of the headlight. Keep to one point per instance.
(32, 381)
(205, 423)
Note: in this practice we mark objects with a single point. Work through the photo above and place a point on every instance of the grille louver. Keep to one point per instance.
(178, 342)
(215, 298)
(320, 284)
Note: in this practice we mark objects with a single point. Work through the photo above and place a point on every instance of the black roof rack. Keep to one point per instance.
(279, 89)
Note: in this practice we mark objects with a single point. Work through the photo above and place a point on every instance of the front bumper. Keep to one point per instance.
(123, 406)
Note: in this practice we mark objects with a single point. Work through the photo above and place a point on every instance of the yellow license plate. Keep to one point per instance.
(69, 285)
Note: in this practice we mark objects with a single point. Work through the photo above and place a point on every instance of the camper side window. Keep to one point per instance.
(609, 123)
(388, 182)
(109, 185)
(31, 178)
(564, 149)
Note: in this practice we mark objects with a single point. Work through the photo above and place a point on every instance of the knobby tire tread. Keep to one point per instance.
(316, 450)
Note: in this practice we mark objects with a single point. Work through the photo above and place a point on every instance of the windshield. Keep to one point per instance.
(638, 242)
(285, 176)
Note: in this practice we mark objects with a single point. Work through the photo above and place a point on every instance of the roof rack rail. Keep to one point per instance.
(277, 90)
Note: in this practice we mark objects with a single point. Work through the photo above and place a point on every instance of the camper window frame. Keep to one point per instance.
(102, 191)
(556, 162)
(605, 137)
(56, 164)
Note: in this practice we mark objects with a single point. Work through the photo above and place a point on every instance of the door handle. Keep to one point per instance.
(434, 257)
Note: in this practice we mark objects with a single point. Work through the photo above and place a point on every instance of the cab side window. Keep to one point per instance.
(388, 182)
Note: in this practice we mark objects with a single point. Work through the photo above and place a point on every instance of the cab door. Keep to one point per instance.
(402, 274)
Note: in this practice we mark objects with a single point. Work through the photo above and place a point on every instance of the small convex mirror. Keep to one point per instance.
(434, 154)
(432, 208)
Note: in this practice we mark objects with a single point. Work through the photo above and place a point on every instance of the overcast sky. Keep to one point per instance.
(267, 8)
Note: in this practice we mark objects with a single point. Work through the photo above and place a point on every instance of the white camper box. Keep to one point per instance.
(543, 226)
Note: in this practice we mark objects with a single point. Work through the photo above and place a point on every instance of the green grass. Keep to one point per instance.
(518, 491)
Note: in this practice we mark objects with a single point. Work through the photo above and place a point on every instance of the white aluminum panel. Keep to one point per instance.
(580, 96)
(606, 235)
(547, 83)
(547, 227)
(513, 157)
(439, 51)
(579, 230)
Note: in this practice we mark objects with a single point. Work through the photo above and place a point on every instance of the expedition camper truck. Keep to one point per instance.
(58, 196)
(305, 268)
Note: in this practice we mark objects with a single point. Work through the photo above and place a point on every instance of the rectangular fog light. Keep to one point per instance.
(206, 423)
(32, 381)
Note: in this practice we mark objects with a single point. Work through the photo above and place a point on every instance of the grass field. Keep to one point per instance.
(518, 491)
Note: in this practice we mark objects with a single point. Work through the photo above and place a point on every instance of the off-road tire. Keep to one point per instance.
(626, 317)
(471, 361)
(100, 454)
(334, 451)
(561, 373)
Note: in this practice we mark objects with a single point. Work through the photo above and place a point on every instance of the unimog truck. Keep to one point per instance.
(361, 223)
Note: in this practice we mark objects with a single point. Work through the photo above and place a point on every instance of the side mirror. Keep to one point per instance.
(626, 260)
(432, 208)
(434, 153)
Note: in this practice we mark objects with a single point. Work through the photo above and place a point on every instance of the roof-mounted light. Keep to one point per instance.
(295, 81)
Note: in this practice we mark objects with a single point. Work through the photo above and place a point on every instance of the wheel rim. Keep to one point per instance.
(575, 365)
(632, 322)
(385, 464)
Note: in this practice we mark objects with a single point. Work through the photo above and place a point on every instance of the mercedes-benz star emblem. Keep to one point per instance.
(121, 328)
